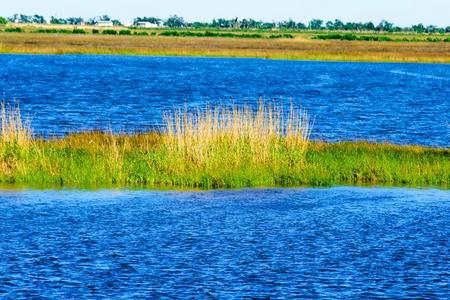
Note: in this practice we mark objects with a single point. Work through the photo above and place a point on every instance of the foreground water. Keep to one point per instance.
(336, 243)
(400, 103)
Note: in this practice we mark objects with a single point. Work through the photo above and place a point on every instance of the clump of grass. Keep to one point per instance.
(54, 30)
(14, 129)
(202, 136)
(15, 141)
(376, 38)
(125, 32)
(141, 33)
(281, 36)
(353, 37)
(78, 31)
(211, 34)
(212, 144)
(109, 31)
(13, 29)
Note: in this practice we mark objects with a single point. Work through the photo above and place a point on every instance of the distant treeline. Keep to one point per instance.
(37, 19)
(179, 22)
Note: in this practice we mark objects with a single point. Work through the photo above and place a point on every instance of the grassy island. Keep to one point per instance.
(213, 148)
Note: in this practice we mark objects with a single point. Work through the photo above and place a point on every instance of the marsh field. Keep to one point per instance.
(267, 44)
(129, 176)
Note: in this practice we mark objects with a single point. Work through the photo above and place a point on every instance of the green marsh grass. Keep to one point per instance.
(216, 147)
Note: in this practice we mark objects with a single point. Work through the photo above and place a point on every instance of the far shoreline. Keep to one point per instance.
(298, 49)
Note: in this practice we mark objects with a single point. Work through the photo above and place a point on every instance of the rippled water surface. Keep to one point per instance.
(401, 103)
(337, 243)
(328, 243)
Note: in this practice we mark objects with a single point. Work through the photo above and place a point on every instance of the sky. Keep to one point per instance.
(401, 12)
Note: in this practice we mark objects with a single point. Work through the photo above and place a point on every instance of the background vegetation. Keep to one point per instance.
(245, 24)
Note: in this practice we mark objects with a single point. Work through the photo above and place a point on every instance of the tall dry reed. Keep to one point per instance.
(237, 135)
(13, 128)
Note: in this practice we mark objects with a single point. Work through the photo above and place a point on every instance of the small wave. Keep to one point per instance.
(418, 75)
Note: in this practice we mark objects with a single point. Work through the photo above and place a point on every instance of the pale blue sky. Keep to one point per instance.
(401, 12)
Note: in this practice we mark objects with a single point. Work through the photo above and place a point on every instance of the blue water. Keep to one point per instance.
(399, 103)
(337, 243)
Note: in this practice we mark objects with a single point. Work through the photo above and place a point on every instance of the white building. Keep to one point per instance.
(105, 23)
(147, 25)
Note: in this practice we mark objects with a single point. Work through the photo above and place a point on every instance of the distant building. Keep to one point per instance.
(147, 25)
(105, 23)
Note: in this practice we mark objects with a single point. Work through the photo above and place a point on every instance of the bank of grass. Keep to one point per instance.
(380, 38)
(216, 148)
(301, 47)
(216, 34)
